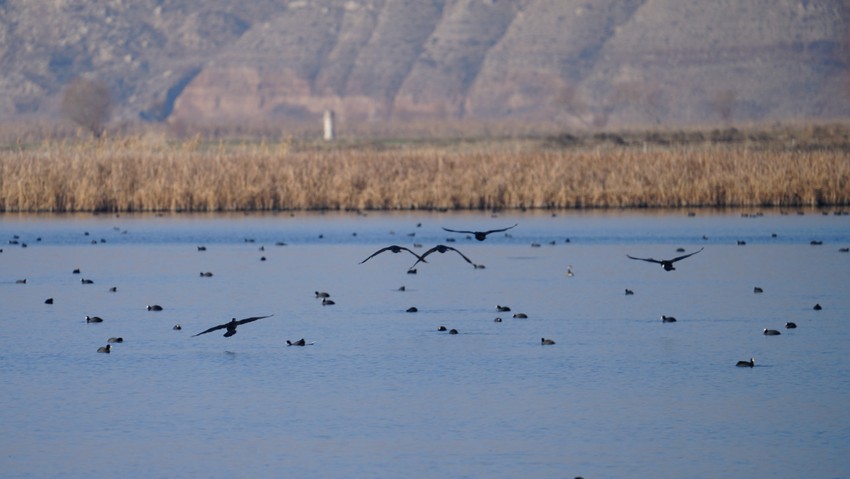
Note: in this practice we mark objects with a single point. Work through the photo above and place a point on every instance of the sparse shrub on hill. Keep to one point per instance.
(87, 103)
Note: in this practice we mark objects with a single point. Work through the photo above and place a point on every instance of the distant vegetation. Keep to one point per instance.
(801, 167)
(88, 104)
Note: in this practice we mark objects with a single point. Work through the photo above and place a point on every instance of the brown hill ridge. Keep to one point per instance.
(558, 62)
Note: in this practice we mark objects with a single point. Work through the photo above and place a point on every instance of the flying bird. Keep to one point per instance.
(480, 235)
(667, 264)
(231, 325)
(395, 249)
(440, 249)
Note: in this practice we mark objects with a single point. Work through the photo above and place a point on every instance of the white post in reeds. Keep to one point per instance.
(329, 125)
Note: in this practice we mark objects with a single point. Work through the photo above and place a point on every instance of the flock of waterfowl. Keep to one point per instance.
(230, 327)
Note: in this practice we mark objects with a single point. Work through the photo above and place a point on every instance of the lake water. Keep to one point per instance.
(382, 393)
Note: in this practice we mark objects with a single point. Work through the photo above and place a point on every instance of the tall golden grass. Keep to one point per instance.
(154, 174)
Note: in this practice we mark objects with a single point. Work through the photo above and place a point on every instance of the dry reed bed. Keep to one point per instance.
(144, 175)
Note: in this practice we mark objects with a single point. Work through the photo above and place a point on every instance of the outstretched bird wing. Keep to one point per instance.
(500, 230)
(460, 231)
(482, 233)
(254, 318)
(393, 248)
(442, 249)
(461, 255)
(685, 256)
(222, 326)
(651, 260)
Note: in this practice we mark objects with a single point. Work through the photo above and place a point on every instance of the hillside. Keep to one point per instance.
(567, 63)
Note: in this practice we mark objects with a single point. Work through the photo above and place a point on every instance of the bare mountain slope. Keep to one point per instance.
(558, 62)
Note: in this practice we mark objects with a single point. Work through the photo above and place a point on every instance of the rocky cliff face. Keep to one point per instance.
(570, 63)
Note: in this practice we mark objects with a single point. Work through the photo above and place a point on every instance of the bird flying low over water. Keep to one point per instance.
(394, 249)
(440, 249)
(480, 235)
(231, 325)
(667, 264)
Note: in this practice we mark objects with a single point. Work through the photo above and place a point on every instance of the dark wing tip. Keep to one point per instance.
(651, 260)
(687, 255)
(503, 229)
(461, 255)
(375, 254)
(252, 318)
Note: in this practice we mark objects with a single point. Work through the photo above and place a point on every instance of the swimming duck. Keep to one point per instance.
(300, 342)
(746, 364)
(154, 307)
(322, 294)
(502, 309)
(771, 332)
(790, 325)
(327, 302)
(544, 341)
(115, 340)
(520, 315)
(105, 349)
(94, 319)
(667, 319)
(177, 327)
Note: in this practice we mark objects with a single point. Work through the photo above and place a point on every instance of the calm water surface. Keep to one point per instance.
(382, 393)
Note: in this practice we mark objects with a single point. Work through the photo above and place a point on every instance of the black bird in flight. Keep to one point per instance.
(440, 249)
(395, 249)
(231, 325)
(667, 264)
(480, 235)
